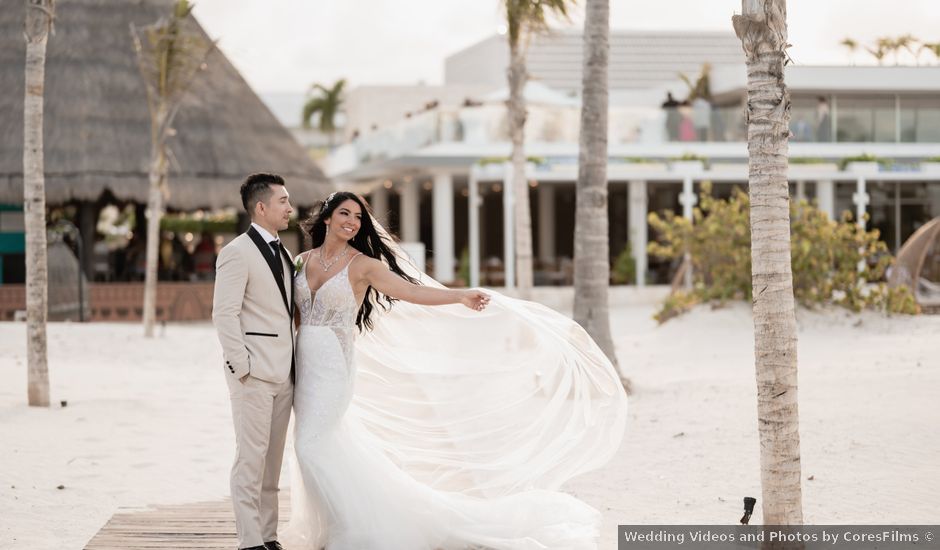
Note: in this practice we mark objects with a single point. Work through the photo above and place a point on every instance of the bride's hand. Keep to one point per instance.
(475, 299)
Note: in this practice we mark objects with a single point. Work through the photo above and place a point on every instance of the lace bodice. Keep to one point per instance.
(333, 305)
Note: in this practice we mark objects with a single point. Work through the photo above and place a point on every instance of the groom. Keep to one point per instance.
(252, 310)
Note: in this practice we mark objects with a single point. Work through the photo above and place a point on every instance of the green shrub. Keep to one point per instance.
(864, 157)
(690, 157)
(825, 256)
(500, 160)
(807, 160)
(624, 268)
(463, 266)
(675, 305)
(181, 223)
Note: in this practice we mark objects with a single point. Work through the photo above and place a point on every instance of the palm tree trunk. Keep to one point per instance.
(523, 219)
(158, 172)
(39, 15)
(591, 246)
(763, 33)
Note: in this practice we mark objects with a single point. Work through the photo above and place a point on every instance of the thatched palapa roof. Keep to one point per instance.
(97, 126)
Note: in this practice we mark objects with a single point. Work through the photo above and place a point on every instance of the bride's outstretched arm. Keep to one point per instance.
(377, 275)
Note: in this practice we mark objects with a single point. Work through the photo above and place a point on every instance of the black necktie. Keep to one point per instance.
(276, 247)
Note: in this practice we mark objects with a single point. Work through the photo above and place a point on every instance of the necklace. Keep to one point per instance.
(327, 265)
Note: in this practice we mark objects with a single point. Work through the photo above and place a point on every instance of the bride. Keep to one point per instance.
(452, 427)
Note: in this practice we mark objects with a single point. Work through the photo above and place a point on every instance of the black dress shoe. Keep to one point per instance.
(254, 548)
(273, 545)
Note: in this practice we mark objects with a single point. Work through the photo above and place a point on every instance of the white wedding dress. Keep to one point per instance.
(445, 428)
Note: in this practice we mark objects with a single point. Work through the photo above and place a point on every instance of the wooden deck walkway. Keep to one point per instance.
(204, 525)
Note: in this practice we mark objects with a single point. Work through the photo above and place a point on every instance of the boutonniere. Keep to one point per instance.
(298, 264)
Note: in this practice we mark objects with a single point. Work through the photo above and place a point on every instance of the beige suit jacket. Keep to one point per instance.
(253, 318)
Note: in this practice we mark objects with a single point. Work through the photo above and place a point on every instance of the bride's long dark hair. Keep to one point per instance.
(367, 240)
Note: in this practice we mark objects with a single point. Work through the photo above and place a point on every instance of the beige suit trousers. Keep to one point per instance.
(261, 413)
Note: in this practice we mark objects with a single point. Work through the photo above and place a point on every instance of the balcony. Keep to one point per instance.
(883, 121)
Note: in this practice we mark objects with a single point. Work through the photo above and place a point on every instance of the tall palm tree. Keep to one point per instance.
(326, 104)
(169, 55)
(591, 246)
(524, 19)
(851, 45)
(762, 28)
(39, 16)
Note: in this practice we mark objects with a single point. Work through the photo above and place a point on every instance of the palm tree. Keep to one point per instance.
(591, 247)
(169, 55)
(326, 104)
(879, 53)
(702, 85)
(524, 18)
(39, 17)
(907, 42)
(884, 46)
(850, 45)
(932, 47)
(762, 28)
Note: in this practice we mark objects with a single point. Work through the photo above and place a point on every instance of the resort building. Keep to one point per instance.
(433, 159)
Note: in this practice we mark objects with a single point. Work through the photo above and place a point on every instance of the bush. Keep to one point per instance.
(864, 157)
(181, 223)
(690, 157)
(463, 267)
(675, 305)
(807, 160)
(624, 268)
(825, 257)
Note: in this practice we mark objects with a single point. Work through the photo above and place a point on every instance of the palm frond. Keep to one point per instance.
(169, 54)
(906, 41)
(526, 17)
(326, 103)
(932, 47)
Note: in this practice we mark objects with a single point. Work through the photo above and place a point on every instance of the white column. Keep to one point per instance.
(826, 198)
(473, 205)
(637, 210)
(410, 211)
(380, 204)
(860, 198)
(546, 199)
(688, 200)
(443, 216)
(509, 242)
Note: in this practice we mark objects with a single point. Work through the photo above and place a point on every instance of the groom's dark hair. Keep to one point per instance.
(257, 188)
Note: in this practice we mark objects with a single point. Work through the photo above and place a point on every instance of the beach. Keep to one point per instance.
(147, 422)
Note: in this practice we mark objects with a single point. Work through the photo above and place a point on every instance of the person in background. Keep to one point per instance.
(702, 118)
(671, 106)
(823, 121)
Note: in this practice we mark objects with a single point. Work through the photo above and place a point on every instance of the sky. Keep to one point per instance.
(286, 45)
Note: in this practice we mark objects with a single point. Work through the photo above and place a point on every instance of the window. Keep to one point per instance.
(866, 119)
(810, 118)
(920, 119)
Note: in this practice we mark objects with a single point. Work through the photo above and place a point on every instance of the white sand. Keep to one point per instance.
(147, 422)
